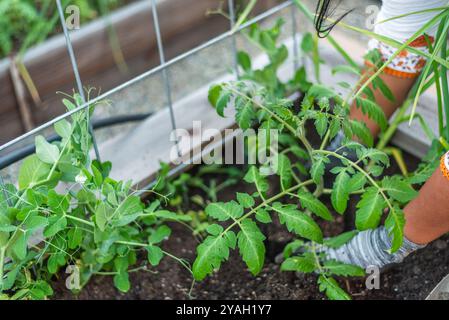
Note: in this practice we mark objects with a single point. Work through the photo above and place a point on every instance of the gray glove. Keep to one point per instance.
(370, 248)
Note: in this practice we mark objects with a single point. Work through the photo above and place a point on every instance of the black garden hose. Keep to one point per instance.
(25, 151)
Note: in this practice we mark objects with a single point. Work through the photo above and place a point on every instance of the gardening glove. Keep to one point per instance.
(370, 248)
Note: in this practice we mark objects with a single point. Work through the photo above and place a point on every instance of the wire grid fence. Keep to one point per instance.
(164, 68)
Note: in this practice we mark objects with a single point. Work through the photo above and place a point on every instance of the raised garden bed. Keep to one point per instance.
(102, 226)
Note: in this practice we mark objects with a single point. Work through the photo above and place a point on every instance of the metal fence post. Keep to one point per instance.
(234, 39)
(165, 74)
(77, 75)
(295, 38)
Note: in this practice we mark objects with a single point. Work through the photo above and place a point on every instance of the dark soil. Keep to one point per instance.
(413, 279)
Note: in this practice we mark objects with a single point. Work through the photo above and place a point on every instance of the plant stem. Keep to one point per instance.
(89, 223)
(266, 202)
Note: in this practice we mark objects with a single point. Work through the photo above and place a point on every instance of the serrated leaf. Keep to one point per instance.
(245, 200)
(283, 168)
(340, 192)
(399, 189)
(308, 201)
(338, 241)
(321, 124)
(214, 229)
(250, 243)
(357, 182)
(395, 223)
(253, 176)
(299, 222)
(317, 170)
(245, 114)
(369, 209)
(305, 263)
(373, 111)
(210, 254)
(263, 216)
(340, 269)
(331, 288)
(360, 130)
(224, 211)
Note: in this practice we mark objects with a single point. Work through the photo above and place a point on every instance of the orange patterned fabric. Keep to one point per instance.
(405, 64)
(444, 165)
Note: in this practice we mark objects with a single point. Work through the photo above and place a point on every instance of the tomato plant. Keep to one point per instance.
(301, 166)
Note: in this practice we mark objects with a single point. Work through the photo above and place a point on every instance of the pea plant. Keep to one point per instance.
(67, 211)
(301, 168)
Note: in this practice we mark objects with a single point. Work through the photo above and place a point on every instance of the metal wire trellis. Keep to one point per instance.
(163, 67)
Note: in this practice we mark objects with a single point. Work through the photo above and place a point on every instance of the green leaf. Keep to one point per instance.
(214, 229)
(210, 254)
(333, 291)
(155, 255)
(56, 224)
(224, 211)
(395, 223)
(159, 235)
(33, 170)
(121, 281)
(308, 201)
(45, 151)
(244, 61)
(130, 205)
(338, 241)
(19, 245)
(103, 214)
(307, 43)
(252, 248)
(214, 94)
(245, 114)
(399, 189)
(341, 269)
(321, 124)
(63, 128)
(305, 263)
(357, 182)
(340, 192)
(373, 111)
(370, 209)
(319, 91)
(317, 170)
(253, 176)
(36, 222)
(283, 168)
(360, 130)
(245, 200)
(58, 203)
(263, 216)
(345, 69)
(299, 222)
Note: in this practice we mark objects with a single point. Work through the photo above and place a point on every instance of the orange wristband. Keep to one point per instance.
(444, 165)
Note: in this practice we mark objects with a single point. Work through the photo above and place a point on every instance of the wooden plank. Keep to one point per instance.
(184, 25)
